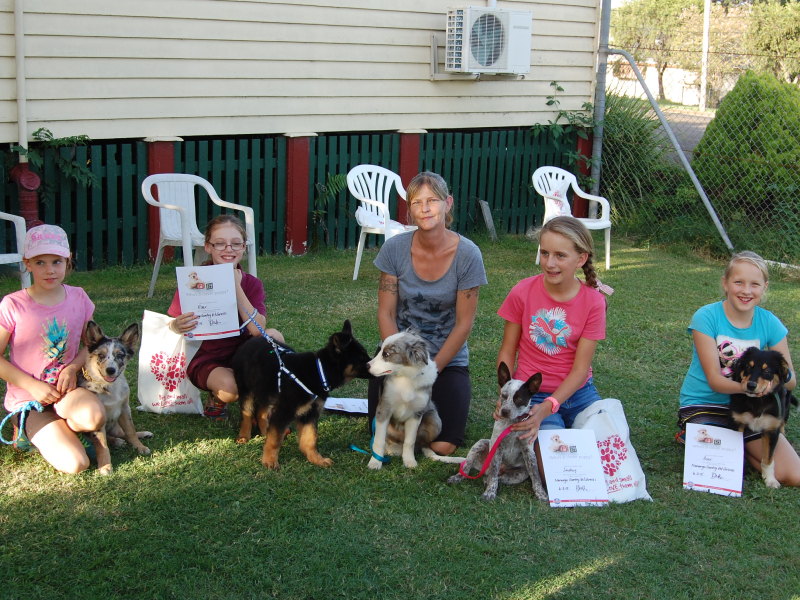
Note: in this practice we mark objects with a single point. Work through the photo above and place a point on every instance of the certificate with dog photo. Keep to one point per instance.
(572, 468)
(713, 461)
(210, 293)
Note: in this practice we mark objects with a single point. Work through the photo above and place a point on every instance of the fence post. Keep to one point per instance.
(580, 206)
(297, 172)
(160, 159)
(409, 164)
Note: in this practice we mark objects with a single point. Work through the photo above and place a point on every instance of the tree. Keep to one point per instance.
(653, 30)
(774, 36)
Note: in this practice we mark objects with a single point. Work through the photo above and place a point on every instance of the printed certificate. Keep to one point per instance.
(572, 467)
(714, 460)
(210, 293)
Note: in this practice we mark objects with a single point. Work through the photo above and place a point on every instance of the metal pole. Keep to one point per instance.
(19, 51)
(704, 71)
(600, 102)
(677, 147)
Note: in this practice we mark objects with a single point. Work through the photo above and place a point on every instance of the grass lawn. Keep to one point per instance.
(201, 518)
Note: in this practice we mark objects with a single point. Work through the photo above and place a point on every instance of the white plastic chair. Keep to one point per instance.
(372, 186)
(552, 183)
(16, 257)
(179, 221)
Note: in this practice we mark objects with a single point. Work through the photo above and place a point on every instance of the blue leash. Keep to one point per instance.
(383, 459)
(23, 410)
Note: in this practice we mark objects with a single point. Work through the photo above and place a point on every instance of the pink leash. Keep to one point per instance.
(488, 458)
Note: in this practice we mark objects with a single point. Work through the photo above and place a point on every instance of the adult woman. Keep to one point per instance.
(430, 280)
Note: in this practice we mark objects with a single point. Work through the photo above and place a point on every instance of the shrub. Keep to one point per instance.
(748, 158)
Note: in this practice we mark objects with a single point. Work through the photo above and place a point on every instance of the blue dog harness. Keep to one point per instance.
(281, 350)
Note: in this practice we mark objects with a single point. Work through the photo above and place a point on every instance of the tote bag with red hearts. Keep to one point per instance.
(163, 357)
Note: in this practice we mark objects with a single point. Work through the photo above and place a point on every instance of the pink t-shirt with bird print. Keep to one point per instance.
(551, 330)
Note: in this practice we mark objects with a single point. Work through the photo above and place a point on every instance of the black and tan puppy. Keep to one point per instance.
(104, 375)
(259, 376)
(762, 372)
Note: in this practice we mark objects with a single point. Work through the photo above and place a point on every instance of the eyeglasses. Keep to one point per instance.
(235, 246)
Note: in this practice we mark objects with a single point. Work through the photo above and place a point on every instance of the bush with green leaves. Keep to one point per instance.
(748, 158)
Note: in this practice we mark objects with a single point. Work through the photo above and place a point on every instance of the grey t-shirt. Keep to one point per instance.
(430, 306)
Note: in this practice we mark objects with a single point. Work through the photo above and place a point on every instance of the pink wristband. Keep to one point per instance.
(556, 403)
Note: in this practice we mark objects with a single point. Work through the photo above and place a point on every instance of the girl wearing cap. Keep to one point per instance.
(44, 325)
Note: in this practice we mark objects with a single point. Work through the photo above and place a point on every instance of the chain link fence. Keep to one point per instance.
(743, 144)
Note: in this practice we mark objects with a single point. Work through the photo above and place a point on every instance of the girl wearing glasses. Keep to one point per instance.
(211, 368)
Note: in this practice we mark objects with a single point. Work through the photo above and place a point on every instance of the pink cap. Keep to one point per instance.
(46, 239)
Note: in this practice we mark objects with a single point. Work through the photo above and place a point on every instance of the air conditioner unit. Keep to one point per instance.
(488, 40)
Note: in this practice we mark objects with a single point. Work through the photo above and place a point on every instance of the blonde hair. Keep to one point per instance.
(221, 221)
(754, 259)
(576, 232)
(436, 184)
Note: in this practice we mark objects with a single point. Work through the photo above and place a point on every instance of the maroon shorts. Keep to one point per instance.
(35, 421)
(198, 375)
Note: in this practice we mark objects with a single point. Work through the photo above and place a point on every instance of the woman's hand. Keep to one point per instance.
(67, 379)
(184, 323)
(237, 277)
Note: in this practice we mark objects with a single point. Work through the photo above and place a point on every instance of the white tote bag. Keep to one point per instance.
(624, 476)
(163, 357)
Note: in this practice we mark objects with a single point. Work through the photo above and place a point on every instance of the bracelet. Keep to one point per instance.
(556, 403)
(789, 376)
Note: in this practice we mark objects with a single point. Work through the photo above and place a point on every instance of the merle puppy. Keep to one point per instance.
(296, 393)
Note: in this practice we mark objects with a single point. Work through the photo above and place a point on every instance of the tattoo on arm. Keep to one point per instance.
(388, 284)
(470, 292)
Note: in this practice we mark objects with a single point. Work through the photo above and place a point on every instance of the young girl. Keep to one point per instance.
(553, 324)
(722, 331)
(44, 325)
(430, 280)
(211, 368)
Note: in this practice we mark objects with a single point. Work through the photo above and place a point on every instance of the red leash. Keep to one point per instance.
(488, 458)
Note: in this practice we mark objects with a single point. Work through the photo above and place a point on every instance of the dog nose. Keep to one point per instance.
(110, 370)
(751, 386)
(504, 412)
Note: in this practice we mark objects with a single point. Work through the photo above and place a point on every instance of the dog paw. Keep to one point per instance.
(325, 463)
(410, 463)
(144, 450)
(271, 465)
(773, 483)
(454, 479)
(144, 435)
(116, 442)
(105, 470)
(242, 440)
(375, 464)
(489, 496)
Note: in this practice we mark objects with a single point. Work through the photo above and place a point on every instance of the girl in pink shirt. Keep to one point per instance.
(44, 325)
(553, 324)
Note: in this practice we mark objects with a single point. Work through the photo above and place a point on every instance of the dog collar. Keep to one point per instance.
(325, 385)
(88, 377)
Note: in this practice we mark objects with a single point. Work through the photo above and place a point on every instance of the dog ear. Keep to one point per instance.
(347, 327)
(341, 340)
(130, 337)
(784, 370)
(417, 353)
(93, 334)
(503, 374)
(534, 382)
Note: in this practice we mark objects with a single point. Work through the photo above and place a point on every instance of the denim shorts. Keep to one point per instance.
(570, 408)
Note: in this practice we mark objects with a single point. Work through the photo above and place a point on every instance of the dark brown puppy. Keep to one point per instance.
(761, 371)
(277, 398)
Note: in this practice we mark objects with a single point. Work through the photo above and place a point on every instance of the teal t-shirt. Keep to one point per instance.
(765, 331)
